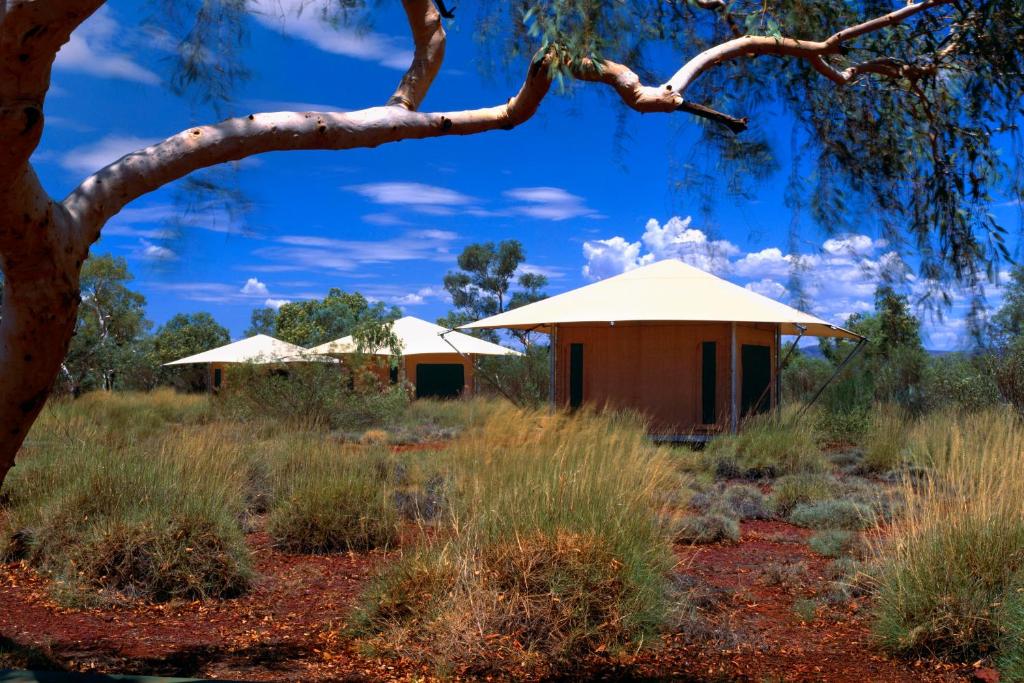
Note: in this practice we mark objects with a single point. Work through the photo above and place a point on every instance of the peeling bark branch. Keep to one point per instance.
(813, 51)
(429, 38)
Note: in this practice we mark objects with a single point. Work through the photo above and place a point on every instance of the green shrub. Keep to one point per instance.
(806, 609)
(832, 514)
(554, 548)
(328, 500)
(157, 519)
(833, 542)
(960, 381)
(885, 442)
(795, 489)
(742, 501)
(700, 529)
(313, 395)
(768, 446)
(949, 579)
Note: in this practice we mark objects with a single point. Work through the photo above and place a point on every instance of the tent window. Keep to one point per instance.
(757, 377)
(393, 374)
(217, 378)
(575, 375)
(708, 382)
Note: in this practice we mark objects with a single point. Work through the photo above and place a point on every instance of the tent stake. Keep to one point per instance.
(856, 349)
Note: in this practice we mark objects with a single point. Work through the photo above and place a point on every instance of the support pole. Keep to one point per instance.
(778, 370)
(494, 382)
(734, 413)
(552, 364)
(856, 349)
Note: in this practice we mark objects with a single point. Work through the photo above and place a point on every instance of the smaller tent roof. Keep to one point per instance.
(666, 291)
(259, 349)
(421, 337)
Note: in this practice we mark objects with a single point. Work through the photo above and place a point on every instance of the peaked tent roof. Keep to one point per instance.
(668, 290)
(258, 349)
(420, 337)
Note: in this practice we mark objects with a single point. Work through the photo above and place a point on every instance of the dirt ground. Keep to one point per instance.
(285, 629)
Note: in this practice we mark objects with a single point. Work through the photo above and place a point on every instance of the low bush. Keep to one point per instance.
(768, 446)
(158, 519)
(806, 609)
(554, 549)
(742, 501)
(960, 382)
(833, 542)
(796, 489)
(885, 442)
(949, 579)
(328, 499)
(832, 514)
(307, 395)
(701, 529)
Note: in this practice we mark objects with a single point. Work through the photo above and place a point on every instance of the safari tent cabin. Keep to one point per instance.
(260, 349)
(438, 362)
(692, 351)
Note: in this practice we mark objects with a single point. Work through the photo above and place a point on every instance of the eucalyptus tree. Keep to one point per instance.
(904, 104)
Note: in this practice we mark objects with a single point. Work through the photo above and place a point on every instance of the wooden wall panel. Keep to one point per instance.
(453, 358)
(656, 368)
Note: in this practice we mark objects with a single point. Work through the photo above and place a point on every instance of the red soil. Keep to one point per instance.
(285, 629)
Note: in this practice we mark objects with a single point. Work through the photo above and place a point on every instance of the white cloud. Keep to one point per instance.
(276, 303)
(304, 20)
(767, 287)
(300, 252)
(612, 256)
(253, 287)
(94, 156)
(676, 239)
(547, 271)
(420, 195)
(549, 203)
(91, 50)
(154, 252)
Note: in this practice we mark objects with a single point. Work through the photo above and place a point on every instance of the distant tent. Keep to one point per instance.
(260, 349)
(691, 350)
(439, 362)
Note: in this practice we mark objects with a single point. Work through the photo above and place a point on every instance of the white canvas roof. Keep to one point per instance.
(666, 291)
(421, 337)
(258, 349)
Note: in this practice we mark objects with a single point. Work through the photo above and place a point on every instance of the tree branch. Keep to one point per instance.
(429, 38)
(813, 51)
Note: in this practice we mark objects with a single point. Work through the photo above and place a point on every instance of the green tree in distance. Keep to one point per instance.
(111, 322)
(317, 321)
(483, 284)
(183, 335)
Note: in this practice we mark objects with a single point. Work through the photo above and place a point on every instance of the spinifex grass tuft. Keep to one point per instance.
(950, 576)
(554, 548)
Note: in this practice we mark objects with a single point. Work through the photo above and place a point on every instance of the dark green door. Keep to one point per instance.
(757, 376)
(440, 380)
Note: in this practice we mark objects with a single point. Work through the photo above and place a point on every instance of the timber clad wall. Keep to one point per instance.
(655, 368)
(381, 367)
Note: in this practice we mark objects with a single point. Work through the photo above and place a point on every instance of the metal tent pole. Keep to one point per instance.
(860, 343)
(734, 418)
(552, 367)
(778, 369)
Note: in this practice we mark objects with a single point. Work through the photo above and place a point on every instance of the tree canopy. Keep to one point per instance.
(317, 321)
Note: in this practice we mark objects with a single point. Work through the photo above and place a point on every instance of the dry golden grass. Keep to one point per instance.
(950, 575)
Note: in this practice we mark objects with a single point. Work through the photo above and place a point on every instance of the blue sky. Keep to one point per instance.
(389, 222)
